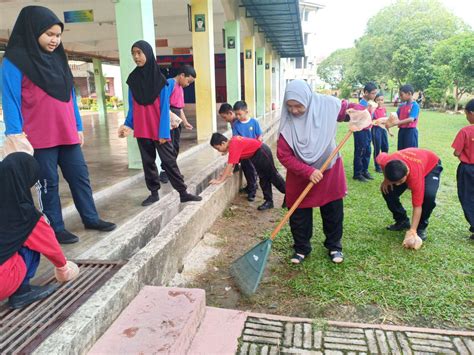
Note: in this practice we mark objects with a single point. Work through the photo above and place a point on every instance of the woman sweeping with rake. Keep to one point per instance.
(307, 138)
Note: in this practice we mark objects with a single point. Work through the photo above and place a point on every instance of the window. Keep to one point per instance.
(305, 62)
(299, 63)
(306, 36)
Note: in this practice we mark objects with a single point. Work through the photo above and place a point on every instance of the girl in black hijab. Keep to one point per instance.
(39, 101)
(24, 234)
(149, 117)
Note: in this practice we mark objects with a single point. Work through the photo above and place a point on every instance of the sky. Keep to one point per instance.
(341, 22)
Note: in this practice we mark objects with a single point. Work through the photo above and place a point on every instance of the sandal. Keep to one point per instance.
(336, 256)
(297, 258)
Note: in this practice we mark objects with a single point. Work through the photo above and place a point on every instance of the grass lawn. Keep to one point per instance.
(433, 285)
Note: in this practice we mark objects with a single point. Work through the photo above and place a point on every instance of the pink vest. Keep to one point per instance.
(405, 113)
(146, 120)
(48, 122)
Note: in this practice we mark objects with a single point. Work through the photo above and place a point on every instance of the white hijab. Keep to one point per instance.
(312, 135)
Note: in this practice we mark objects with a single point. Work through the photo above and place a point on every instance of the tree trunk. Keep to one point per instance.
(456, 99)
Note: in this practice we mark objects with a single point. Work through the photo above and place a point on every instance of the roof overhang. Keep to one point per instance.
(280, 22)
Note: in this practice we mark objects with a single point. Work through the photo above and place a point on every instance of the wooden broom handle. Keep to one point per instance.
(309, 187)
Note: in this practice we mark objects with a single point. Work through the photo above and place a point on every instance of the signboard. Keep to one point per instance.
(248, 54)
(200, 23)
(79, 16)
(259, 61)
(231, 42)
(267, 66)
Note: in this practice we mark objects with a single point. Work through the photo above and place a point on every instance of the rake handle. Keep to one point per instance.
(309, 187)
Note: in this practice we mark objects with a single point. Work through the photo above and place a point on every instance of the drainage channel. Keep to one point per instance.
(22, 330)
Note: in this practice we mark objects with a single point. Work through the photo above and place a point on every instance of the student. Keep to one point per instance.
(185, 77)
(148, 116)
(261, 157)
(418, 170)
(464, 149)
(39, 101)
(248, 127)
(379, 134)
(408, 113)
(227, 113)
(362, 139)
(25, 234)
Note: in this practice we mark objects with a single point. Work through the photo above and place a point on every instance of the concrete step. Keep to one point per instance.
(159, 320)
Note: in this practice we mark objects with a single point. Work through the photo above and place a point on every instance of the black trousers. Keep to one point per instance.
(380, 142)
(301, 224)
(250, 175)
(465, 180)
(167, 154)
(263, 162)
(362, 151)
(429, 202)
(176, 133)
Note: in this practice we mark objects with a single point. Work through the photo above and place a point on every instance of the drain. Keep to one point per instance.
(22, 330)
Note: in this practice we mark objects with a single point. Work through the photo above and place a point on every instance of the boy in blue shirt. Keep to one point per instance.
(248, 127)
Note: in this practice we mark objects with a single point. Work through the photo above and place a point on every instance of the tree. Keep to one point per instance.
(336, 68)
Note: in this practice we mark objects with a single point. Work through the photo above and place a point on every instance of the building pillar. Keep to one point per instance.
(268, 81)
(249, 73)
(260, 73)
(232, 61)
(203, 55)
(100, 89)
(128, 32)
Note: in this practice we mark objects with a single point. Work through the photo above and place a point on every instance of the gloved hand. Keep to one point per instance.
(17, 143)
(67, 272)
(124, 131)
(412, 240)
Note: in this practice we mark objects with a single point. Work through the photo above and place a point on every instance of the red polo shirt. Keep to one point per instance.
(242, 148)
(420, 162)
(464, 144)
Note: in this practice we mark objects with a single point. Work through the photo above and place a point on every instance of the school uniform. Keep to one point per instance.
(379, 136)
(362, 149)
(464, 144)
(250, 129)
(241, 148)
(176, 105)
(423, 180)
(408, 133)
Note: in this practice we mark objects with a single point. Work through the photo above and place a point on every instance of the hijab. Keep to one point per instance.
(49, 71)
(311, 135)
(19, 172)
(146, 82)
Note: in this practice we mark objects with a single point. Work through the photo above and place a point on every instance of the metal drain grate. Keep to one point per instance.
(22, 330)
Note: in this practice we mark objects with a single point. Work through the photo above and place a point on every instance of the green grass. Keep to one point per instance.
(434, 284)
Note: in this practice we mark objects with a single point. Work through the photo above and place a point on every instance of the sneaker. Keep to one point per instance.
(164, 177)
(336, 256)
(367, 175)
(101, 225)
(22, 299)
(399, 226)
(66, 237)
(251, 197)
(150, 200)
(360, 178)
(187, 197)
(422, 234)
(265, 206)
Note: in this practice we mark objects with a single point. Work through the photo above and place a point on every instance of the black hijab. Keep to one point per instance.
(146, 82)
(19, 172)
(49, 71)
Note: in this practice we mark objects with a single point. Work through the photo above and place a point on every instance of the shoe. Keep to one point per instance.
(367, 175)
(265, 206)
(336, 256)
(150, 200)
(21, 299)
(251, 198)
(379, 170)
(399, 226)
(422, 234)
(297, 258)
(283, 205)
(360, 178)
(244, 189)
(102, 226)
(164, 177)
(187, 197)
(66, 237)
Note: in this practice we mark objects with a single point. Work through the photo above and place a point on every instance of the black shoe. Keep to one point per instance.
(367, 175)
(244, 189)
(150, 200)
(101, 225)
(360, 178)
(187, 197)
(23, 298)
(164, 177)
(422, 234)
(378, 170)
(399, 226)
(265, 206)
(66, 237)
(251, 197)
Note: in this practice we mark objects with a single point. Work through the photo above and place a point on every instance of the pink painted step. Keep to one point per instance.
(159, 320)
